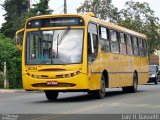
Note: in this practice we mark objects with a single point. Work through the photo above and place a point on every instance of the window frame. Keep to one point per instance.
(145, 48)
(122, 44)
(106, 40)
(129, 44)
(135, 45)
(88, 34)
(126, 34)
(114, 42)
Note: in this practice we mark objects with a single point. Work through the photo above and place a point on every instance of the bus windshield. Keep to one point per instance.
(54, 46)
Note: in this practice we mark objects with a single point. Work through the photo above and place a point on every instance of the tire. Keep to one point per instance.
(51, 95)
(99, 94)
(133, 88)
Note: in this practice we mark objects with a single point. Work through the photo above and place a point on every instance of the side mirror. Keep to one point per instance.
(19, 39)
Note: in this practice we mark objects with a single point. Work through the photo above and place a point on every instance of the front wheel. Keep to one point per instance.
(51, 95)
(99, 94)
(133, 88)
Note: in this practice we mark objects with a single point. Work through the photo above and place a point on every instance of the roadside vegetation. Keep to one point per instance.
(17, 11)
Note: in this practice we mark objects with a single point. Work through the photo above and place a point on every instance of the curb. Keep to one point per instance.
(18, 91)
(11, 91)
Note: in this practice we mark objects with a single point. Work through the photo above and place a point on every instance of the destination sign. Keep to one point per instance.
(55, 22)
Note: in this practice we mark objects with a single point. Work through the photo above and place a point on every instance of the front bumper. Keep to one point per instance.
(76, 83)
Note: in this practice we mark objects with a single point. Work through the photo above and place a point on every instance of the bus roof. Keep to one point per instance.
(89, 17)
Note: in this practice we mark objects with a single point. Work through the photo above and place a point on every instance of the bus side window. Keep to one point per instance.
(135, 46)
(104, 39)
(114, 41)
(89, 45)
(145, 50)
(129, 45)
(92, 42)
(140, 46)
(123, 48)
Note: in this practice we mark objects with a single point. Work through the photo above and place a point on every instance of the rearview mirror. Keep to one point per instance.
(19, 39)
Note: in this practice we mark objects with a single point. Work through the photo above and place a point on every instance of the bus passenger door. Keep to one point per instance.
(94, 62)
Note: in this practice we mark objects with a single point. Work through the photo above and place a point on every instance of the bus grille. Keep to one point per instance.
(58, 85)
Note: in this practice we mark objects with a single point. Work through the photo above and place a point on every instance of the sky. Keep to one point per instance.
(72, 5)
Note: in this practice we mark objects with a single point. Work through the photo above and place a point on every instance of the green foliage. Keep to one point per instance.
(17, 12)
(10, 55)
(14, 73)
(14, 9)
(103, 9)
(41, 8)
(139, 17)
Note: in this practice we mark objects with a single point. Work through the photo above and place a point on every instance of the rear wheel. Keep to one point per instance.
(133, 88)
(99, 94)
(51, 95)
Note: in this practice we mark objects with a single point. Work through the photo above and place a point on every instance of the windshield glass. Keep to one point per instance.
(54, 46)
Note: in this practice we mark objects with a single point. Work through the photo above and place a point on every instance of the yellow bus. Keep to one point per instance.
(73, 52)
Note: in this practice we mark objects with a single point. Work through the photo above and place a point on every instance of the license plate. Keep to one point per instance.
(52, 83)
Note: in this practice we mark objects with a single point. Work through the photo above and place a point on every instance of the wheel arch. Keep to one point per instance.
(106, 77)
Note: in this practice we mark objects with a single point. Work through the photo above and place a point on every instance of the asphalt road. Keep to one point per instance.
(146, 100)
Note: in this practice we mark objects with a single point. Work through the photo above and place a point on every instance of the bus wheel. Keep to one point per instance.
(99, 94)
(133, 88)
(51, 95)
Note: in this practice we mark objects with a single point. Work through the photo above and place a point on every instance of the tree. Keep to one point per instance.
(41, 8)
(103, 9)
(14, 9)
(139, 17)
(17, 11)
(10, 55)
